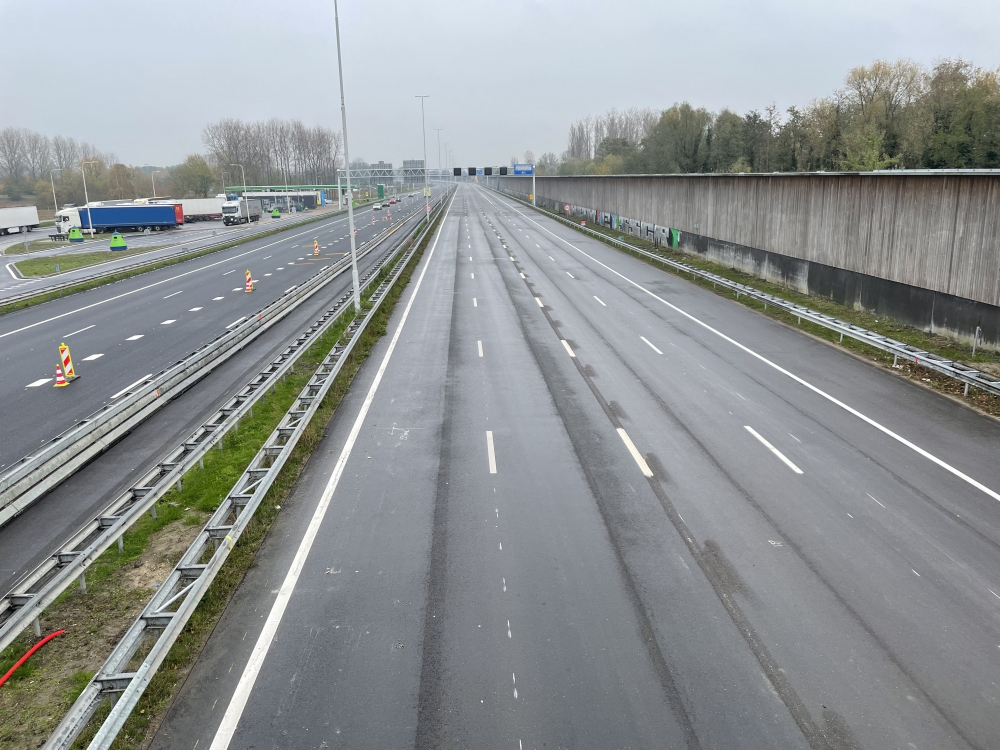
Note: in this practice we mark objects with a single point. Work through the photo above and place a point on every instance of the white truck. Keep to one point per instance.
(18, 219)
(202, 209)
(241, 211)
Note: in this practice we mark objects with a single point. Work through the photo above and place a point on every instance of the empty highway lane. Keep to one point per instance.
(574, 501)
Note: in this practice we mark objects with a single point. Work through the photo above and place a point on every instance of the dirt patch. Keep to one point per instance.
(34, 701)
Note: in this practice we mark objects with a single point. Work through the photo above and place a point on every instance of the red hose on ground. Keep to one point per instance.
(27, 656)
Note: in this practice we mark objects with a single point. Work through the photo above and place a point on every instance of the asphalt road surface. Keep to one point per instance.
(574, 501)
(122, 332)
(192, 235)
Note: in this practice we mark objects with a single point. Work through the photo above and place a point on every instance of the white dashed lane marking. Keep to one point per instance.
(776, 452)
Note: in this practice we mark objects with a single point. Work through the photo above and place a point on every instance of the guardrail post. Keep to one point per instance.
(975, 341)
(152, 511)
(83, 582)
(38, 627)
(121, 546)
(201, 462)
(179, 485)
(894, 358)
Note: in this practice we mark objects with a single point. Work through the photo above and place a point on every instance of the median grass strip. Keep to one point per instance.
(113, 276)
(987, 361)
(34, 701)
(51, 264)
(33, 246)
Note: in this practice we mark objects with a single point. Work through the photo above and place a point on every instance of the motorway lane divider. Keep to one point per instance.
(899, 350)
(161, 622)
(23, 604)
(184, 252)
(26, 480)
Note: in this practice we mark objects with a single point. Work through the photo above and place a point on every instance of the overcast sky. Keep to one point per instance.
(142, 79)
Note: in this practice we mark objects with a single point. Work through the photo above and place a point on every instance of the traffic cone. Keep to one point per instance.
(249, 285)
(61, 382)
(67, 363)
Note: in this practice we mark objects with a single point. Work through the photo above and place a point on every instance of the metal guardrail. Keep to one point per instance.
(26, 480)
(184, 250)
(175, 600)
(24, 603)
(898, 349)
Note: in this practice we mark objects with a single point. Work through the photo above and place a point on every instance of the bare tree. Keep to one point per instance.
(38, 154)
(66, 153)
(13, 153)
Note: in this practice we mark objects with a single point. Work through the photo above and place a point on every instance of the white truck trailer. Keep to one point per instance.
(18, 219)
(202, 209)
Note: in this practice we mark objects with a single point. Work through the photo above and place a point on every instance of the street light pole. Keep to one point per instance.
(86, 199)
(347, 169)
(439, 149)
(155, 171)
(55, 203)
(243, 172)
(423, 126)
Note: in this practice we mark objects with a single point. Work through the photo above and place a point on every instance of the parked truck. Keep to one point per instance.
(241, 211)
(111, 218)
(18, 219)
(202, 209)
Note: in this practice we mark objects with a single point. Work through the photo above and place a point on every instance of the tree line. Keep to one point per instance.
(271, 152)
(887, 115)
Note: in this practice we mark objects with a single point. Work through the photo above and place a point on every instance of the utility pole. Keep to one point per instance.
(55, 204)
(347, 170)
(423, 126)
(439, 149)
(86, 198)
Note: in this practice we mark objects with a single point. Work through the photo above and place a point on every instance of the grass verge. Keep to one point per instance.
(112, 277)
(40, 693)
(46, 266)
(33, 247)
(986, 361)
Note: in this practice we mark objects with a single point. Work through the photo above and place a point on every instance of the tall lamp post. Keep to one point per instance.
(423, 126)
(155, 171)
(243, 172)
(347, 169)
(55, 203)
(86, 199)
(439, 149)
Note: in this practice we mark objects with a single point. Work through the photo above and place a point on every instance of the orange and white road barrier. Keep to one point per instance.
(67, 362)
(61, 382)
(315, 247)
(373, 219)
(249, 285)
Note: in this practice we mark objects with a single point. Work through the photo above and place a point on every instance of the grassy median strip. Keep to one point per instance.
(33, 246)
(50, 264)
(986, 361)
(40, 693)
(152, 266)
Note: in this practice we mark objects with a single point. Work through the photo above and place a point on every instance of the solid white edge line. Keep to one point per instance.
(238, 320)
(818, 391)
(651, 345)
(643, 466)
(569, 349)
(490, 452)
(128, 388)
(771, 448)
(234, 711)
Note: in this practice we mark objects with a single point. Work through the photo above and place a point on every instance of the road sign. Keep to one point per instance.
(479, 172)
(488, 171)
(524, 169)
(457, 171)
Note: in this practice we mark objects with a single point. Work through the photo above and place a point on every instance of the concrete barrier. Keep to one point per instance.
(920, 247)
